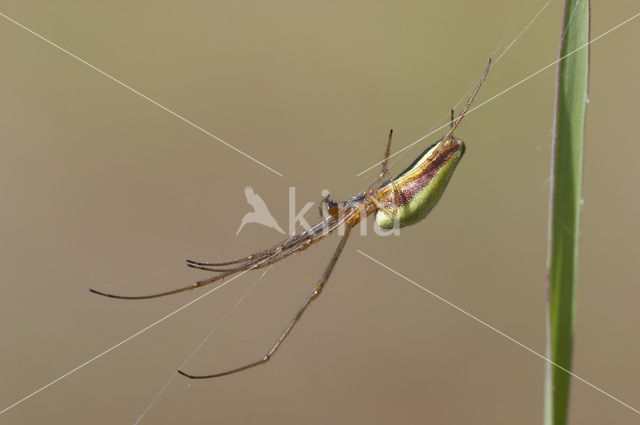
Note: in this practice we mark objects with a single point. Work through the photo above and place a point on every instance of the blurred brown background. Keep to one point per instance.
(100, 188)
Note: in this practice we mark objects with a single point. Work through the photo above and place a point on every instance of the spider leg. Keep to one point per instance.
(162, 294)
(294, 244)
(384, 173)
(224, 263)
(256, 255)
(251, 259)
(268, 255)
(242, 268)
(249, 265)
(397, 195)
(376, 183)
(382, 207)
(312, 296)
(300, 243)
(307, 242)
(323, 206)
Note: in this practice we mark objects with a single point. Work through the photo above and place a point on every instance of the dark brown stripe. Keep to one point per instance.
(430, 169)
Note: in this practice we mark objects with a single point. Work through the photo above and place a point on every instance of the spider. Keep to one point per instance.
(400, 201)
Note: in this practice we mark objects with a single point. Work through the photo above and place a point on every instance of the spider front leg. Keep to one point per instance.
(397, 195)
(384, 172)
(312, 296)
(376, 183)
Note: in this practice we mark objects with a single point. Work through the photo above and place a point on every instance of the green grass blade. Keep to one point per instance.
(565, 206)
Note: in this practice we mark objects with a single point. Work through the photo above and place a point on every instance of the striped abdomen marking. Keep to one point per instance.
(422, 184)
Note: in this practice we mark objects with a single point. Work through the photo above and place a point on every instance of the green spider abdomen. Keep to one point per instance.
(421, 185)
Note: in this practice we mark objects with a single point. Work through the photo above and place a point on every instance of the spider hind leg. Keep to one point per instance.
(312, 296)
